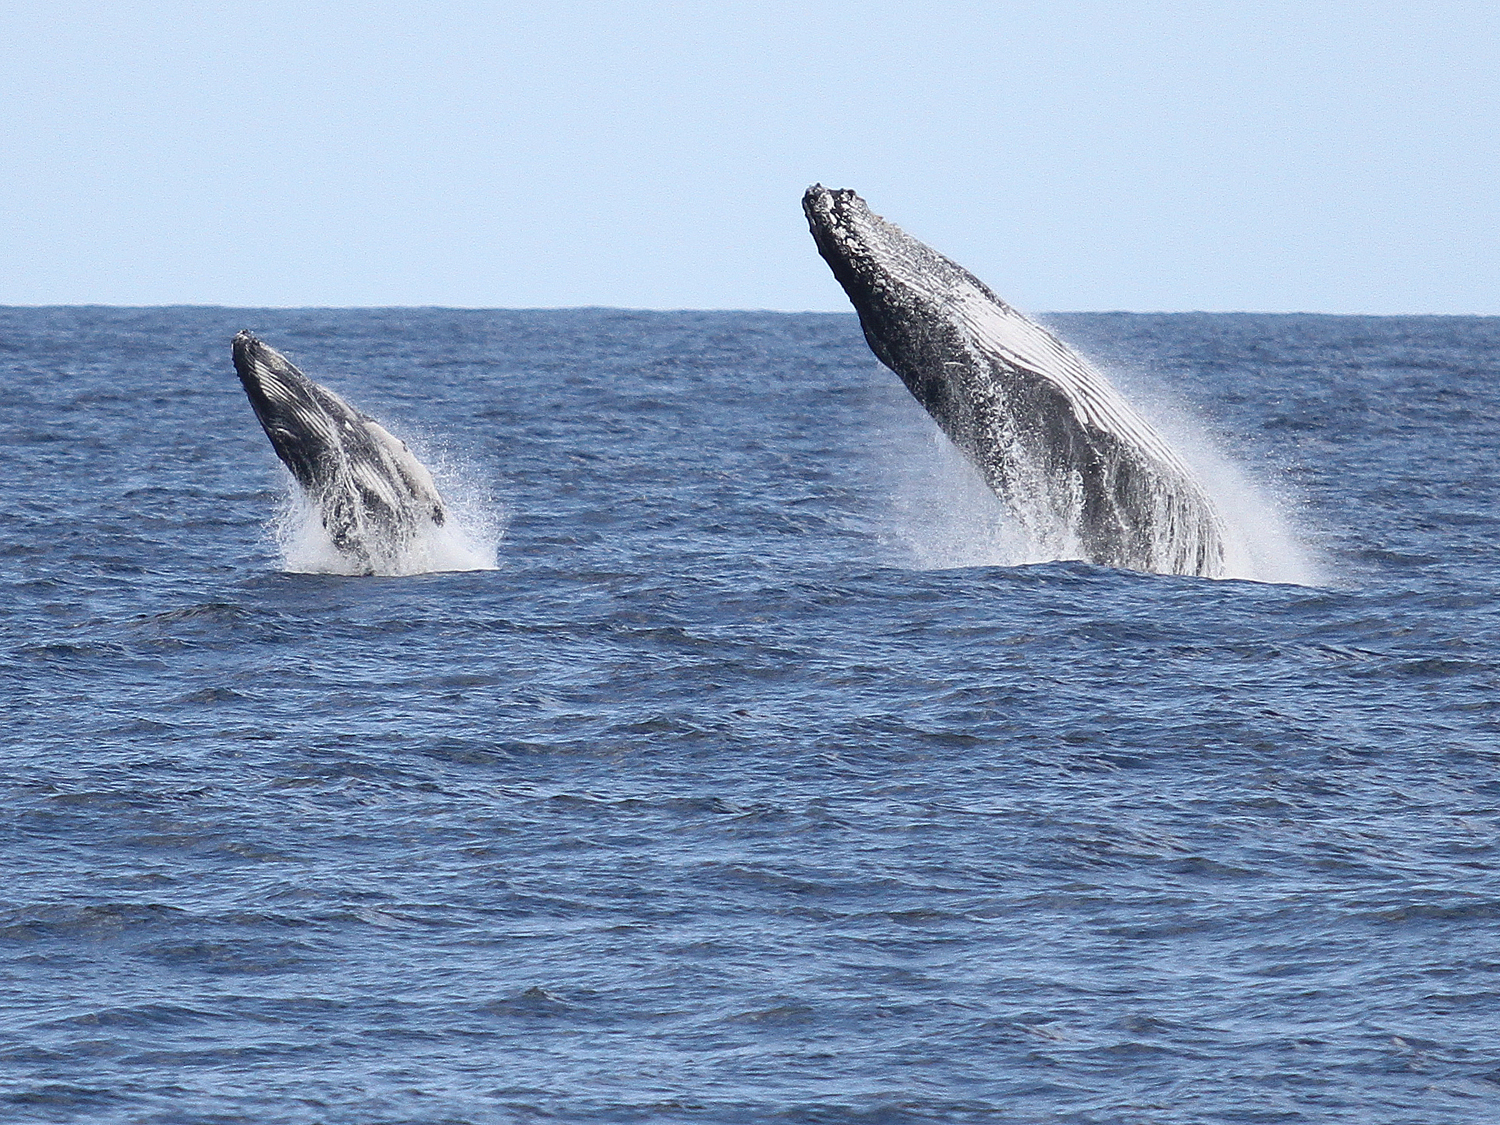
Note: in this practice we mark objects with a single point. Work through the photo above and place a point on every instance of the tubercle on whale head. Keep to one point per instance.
(866, 255)
(853, 241)
(832, 215)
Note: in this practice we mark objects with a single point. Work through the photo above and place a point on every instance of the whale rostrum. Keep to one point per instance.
(375, 498)
(1082, 472)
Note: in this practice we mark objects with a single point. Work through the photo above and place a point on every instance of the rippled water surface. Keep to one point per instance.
(752, 785)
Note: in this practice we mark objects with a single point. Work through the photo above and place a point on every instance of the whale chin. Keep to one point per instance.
(375, 500)
(1083, 473)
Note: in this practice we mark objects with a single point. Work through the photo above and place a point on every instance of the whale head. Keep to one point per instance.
(305, 422)
(879, 265)
(906, 295)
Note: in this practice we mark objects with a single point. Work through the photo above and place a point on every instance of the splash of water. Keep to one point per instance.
(1261, 543)
(469, 538)
(944, 516)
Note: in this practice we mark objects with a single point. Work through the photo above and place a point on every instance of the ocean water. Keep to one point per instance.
(755, 782)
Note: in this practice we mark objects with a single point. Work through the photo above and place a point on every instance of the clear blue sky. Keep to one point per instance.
(1157, 155)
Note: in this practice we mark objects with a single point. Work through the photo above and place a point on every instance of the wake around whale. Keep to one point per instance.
(1082, 472)
(377, 502)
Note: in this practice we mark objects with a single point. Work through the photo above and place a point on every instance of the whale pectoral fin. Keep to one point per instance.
(412, 473)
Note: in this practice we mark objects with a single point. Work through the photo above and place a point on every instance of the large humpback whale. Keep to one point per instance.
(376, 499)
(1085, 475)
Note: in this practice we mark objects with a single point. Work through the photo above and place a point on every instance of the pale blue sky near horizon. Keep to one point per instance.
(1075, 154)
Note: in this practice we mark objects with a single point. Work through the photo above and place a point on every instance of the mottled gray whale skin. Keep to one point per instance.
(1086, 476)
(376, 499)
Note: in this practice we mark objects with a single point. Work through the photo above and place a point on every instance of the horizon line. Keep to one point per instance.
(707, 309)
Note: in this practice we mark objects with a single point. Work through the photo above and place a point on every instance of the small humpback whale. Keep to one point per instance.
(375, 498)
(1084, 474)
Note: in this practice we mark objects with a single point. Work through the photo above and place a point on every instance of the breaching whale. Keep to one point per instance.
(1085, 475)
(375, 498)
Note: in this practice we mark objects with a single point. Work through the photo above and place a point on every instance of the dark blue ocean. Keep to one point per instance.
(748, 786)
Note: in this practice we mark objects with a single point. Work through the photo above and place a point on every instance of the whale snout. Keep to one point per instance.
(830, 210)
(249, 347)
(260, 365)
(856, 243)
(245, 342)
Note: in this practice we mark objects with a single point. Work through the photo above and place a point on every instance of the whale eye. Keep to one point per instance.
(437, 515)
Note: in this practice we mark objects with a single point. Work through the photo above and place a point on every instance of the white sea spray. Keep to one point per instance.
(468, 539)
(942, 515)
